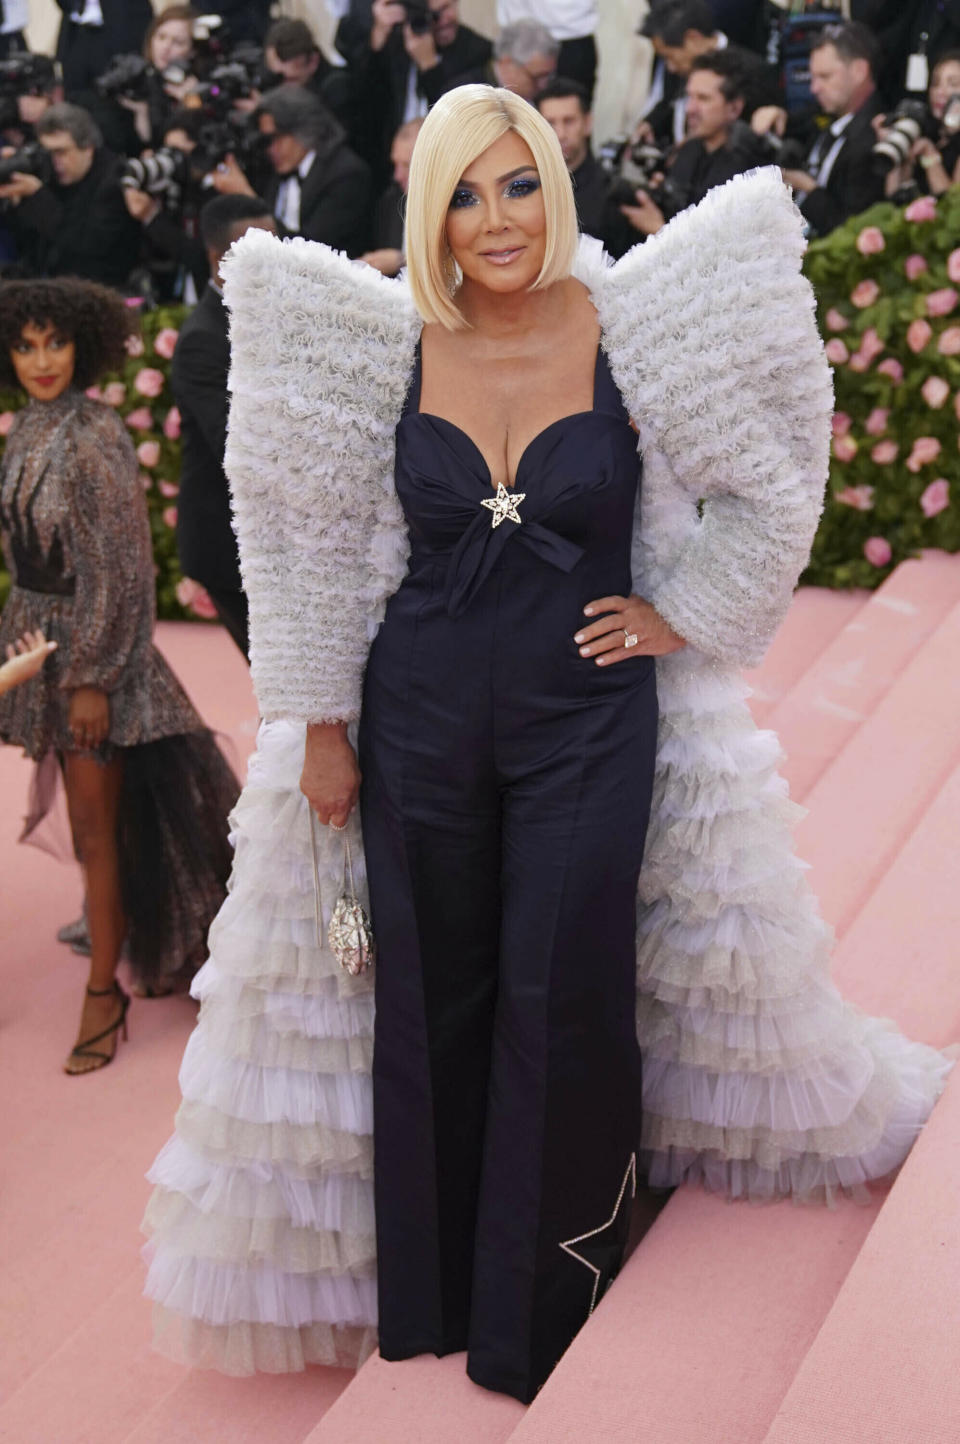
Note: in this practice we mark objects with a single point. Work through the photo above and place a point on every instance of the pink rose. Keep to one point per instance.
(892, 368)
(859, 361)
(884, 452)
(935, 391)
(134, 345)
(148, 453)
(923, 209)
(193, 596)
(936, 497)
(925, 450)
(169, 489)
(6, 421)
(171, 424)
(169, 516)
(165, 342)
(953, 265)
(115, 393)
(140, 420)
(918, 334)
(941, 303)
(864, 294)
(841, 423)
(149, 382)
(836, 320)
(870, 343)
(915, 266)
(870, 241)
(876, 423)
(877, 551)
(835, 351)
(94, 393)
(146, 481)
(859, 497)
(948, 343)
(844, 448)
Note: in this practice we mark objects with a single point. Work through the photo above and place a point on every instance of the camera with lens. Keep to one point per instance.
(162, 175)
(128, 77)
(26, 74)
(904, 126)
(419, 17)
(30, 159)
(632, 167)
(778, 150)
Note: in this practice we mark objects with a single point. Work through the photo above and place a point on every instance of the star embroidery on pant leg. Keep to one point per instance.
(599, 1250)
(504, 504)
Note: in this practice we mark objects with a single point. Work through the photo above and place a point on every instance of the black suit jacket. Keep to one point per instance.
(79, 230)
(198, 377)
(124, 24)
(852, 185)
(335, 201)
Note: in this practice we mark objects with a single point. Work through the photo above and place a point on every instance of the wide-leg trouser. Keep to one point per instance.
(503, 855)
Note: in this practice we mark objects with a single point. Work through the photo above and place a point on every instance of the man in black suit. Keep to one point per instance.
(403, 69)
(320, 188)
(198, 376)
(565, 106)
(92, 32)
(839, 179)
(77, 224)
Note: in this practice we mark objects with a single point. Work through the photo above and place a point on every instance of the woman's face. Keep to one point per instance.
(172, 43)
(44, 361)
(496, 223)
(945, 82)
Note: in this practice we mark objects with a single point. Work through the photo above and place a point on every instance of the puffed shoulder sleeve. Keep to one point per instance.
(712, 331)
(321, 354)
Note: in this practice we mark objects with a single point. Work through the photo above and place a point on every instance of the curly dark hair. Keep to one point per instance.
(97, 320)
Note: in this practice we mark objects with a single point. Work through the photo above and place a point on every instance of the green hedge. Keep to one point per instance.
(888, 295)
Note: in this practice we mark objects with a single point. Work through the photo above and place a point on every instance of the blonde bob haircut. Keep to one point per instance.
(462, 125)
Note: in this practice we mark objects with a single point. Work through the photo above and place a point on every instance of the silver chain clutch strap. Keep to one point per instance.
(349, 933)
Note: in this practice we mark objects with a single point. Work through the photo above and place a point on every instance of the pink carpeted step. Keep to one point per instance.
(421, 1401)
(856, 668)
(208, 1408)
(876, 790)
(721, 1303)
(883, 1369)
(815, 617)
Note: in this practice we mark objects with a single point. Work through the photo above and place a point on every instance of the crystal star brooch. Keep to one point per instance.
(504, 504)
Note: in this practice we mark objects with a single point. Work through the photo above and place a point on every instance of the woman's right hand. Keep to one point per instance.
(330, 780)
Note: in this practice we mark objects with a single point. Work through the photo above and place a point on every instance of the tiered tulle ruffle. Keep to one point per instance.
(759, 1080)
(261, 1252)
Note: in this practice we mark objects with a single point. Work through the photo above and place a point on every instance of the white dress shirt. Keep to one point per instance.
(565, 19)
(87, 12)
(287, 206)
(16, 13)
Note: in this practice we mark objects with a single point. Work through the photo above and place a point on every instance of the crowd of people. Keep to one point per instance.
(112, 147)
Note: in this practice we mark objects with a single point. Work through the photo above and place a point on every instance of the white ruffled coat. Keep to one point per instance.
(758, 1079)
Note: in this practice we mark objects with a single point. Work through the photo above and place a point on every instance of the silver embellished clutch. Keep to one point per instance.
(349, 933)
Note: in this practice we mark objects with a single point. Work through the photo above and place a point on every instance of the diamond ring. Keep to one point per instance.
(630, 639)
(341, 828)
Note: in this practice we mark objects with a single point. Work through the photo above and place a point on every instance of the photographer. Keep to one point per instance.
(198, 376)
(75, 224)
(168, 52)
(29, 87)
(413, 53)
(389, 226)
(720, 144)
(839, 178)
(292, 56)
(163, 194)
(92, 32)
(565, 106)
(524, 58)
(921, 145)
(319, 188)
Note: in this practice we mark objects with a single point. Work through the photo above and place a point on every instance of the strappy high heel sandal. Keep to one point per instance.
(86, 1049)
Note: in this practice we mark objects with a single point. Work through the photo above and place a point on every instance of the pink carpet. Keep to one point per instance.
(729, 1325)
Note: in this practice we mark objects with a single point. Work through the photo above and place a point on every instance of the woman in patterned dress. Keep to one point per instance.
(148, 791)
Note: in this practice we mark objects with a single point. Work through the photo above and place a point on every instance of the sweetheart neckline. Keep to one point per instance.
(511, 486)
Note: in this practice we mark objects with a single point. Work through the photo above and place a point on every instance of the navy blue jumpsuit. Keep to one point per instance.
(506, 791)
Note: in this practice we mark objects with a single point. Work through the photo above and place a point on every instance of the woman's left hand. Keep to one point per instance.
(627, 617)
(89, 718)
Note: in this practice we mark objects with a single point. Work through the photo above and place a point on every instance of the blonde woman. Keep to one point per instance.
(465, 445)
